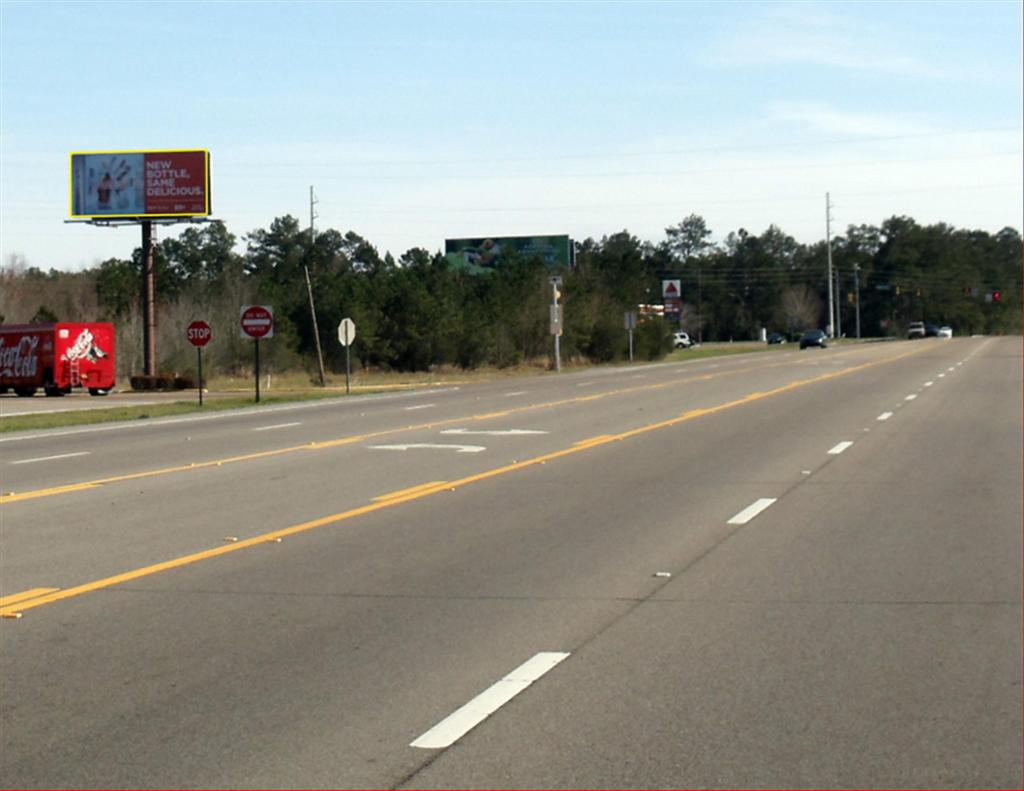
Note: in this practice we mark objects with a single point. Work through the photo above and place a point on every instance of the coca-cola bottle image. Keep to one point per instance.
(103, 191)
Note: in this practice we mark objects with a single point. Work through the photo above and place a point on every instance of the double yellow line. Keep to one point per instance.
(13, 606)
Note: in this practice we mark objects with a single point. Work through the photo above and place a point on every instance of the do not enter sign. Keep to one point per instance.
(257, 321)
(199, 333)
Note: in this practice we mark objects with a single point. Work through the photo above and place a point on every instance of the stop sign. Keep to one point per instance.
(257, 321)
(199, 333)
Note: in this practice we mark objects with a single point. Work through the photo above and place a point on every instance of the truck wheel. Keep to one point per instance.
(53, 390)
(25, 391)
(99, 391)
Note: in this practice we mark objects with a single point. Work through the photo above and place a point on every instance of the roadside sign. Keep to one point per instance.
(199, 333)
(346, 331)
(556, 319)
(630, 321)
(257, 321)
(671, 289)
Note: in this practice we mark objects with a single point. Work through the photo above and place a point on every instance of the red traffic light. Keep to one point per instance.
(996, 296)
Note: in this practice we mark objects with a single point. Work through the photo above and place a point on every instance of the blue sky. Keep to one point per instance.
(420, 121)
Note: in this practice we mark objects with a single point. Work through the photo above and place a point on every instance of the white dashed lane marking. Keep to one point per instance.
(839, 448)
(885, 416)
(279, 425)
(463, 720)
(52, 458)
(751, 511)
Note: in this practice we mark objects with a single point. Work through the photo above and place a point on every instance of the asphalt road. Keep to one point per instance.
(791, 570)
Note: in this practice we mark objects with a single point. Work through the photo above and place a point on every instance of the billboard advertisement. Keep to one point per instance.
(484, 255)
(111, 184)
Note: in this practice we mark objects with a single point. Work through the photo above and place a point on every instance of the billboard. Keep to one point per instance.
(111, 184)
(484, 255)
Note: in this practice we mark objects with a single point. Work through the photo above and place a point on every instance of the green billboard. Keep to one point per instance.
(484, 254)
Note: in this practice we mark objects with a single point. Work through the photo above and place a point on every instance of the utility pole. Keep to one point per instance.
(856, 291)
(309, 287)
(839, 306)
(828, 242)
(700, 316)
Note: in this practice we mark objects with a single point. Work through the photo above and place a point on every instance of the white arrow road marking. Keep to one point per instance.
(459, 448)
(52, 458)
(461, 721)
(751, 511)
(508, 432)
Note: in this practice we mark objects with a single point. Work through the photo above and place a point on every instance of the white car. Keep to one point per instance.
(945, 332)
(681, 340)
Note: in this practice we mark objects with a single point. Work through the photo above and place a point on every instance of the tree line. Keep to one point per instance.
(415, 313)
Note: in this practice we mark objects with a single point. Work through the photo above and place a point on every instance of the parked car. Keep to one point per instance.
(915, 329)
(814, 338)
(945, 331)
(681, 340)
(931, 331)
(777, 337)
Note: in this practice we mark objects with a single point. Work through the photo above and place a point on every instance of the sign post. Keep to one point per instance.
(556, 318)
(630, 322)
(347, 334)
(199, 334)
(257, 321)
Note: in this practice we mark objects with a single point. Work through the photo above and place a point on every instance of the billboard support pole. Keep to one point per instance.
(148, 301)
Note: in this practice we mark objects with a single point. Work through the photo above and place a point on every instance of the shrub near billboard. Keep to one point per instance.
(111, 184)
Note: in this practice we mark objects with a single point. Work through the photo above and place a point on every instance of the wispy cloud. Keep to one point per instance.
(824, 118)
(815, 35)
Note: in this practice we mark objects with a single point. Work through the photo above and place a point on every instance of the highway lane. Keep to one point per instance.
(861, 626)
(75, 536)
(36, 460)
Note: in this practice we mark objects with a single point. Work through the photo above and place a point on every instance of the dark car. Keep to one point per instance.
(814, 338)
(777, 337)
(931, 331)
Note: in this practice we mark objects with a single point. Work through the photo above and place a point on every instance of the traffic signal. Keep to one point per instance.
(996, 296)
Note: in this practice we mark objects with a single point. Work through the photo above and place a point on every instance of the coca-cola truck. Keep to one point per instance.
(57, 357)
